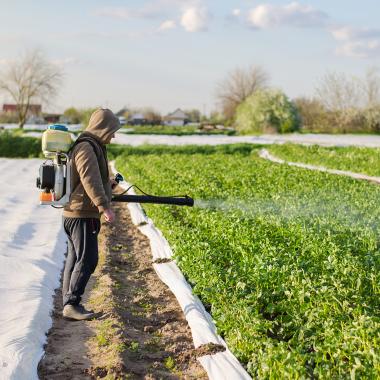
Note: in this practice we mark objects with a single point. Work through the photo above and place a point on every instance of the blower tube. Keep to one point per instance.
(146, 198)
(179, 201)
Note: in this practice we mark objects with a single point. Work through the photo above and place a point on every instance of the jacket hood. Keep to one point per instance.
(103, 123)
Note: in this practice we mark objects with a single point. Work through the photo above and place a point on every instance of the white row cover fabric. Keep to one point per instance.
(218, 366)
(32, 247)
(200, 322)
(304, 139)
(267, 156)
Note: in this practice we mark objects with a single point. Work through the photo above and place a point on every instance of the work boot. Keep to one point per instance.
(77, 312)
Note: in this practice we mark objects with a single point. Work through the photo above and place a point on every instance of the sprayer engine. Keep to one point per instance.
(54, 180)
(54, 174)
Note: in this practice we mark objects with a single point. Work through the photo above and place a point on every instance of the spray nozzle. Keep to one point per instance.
(119, 178)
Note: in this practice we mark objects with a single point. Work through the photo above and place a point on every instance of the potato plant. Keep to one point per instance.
(286, 260)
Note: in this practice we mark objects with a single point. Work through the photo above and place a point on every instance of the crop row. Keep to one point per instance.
(286, 260)
(356, 159)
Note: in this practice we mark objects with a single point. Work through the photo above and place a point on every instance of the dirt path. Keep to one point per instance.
(142, 333)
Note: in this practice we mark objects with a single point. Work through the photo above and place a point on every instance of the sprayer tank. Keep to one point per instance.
(56, 139)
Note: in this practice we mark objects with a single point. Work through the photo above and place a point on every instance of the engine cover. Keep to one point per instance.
(46, 179)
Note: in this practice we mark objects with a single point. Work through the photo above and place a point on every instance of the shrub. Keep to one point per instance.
(371, 116)
(267, 111)
(16, 146)
(313, 115)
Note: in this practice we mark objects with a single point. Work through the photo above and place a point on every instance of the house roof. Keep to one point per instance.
(13, 107)
(177, 114)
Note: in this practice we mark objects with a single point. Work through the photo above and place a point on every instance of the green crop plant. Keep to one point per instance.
(288, 259)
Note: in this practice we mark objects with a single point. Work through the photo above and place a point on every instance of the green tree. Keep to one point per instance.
(267, 111)
(79, 115)
(194, 115)
(73, 114)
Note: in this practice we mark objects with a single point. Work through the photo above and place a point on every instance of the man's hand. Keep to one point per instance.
(109, 215)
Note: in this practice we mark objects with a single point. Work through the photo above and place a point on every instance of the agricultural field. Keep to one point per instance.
(287, 260)
(356, 159)
(184, 130)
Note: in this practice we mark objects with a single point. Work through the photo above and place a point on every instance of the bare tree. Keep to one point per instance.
(338, 92)
(151, 115)
(371, 87)
(239, 84)
(30, 79)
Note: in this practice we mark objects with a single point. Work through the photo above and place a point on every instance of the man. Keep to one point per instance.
(90, 197)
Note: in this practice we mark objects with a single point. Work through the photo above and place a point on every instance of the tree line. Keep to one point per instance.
(341, 103)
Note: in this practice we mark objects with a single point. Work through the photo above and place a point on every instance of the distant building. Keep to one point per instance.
(178, 117)
(52, 118)
(33, 110)
(137, 119)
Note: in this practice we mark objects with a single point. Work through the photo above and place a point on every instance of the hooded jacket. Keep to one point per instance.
(90, 185)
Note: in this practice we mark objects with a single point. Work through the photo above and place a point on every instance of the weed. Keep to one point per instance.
(169, 363)
(134, 346)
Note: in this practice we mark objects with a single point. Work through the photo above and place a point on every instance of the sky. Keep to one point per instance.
(170, 54)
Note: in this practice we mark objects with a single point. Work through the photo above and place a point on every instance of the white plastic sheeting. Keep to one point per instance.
(32, 247)
(219, 366)
(267, 156)
(304, 139)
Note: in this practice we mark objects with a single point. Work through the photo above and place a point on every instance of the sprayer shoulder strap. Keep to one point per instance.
(99, 153)
(91, 142)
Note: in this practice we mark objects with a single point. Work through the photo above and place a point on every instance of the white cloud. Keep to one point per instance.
(294, 14)
(236, 12)
(346, 33)
(357, 42)
(195, 19)
(360, 49)
(166, 25)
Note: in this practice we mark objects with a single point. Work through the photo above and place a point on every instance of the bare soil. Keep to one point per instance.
(141, 332)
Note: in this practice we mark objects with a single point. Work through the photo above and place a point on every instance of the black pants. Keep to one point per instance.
(82, 256)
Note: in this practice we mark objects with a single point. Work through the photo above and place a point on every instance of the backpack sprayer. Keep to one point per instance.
(55, 174)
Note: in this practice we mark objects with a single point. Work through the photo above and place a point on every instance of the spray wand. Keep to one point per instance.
(179, 200)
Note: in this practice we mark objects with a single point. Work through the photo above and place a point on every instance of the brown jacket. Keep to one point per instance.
(90, 183)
